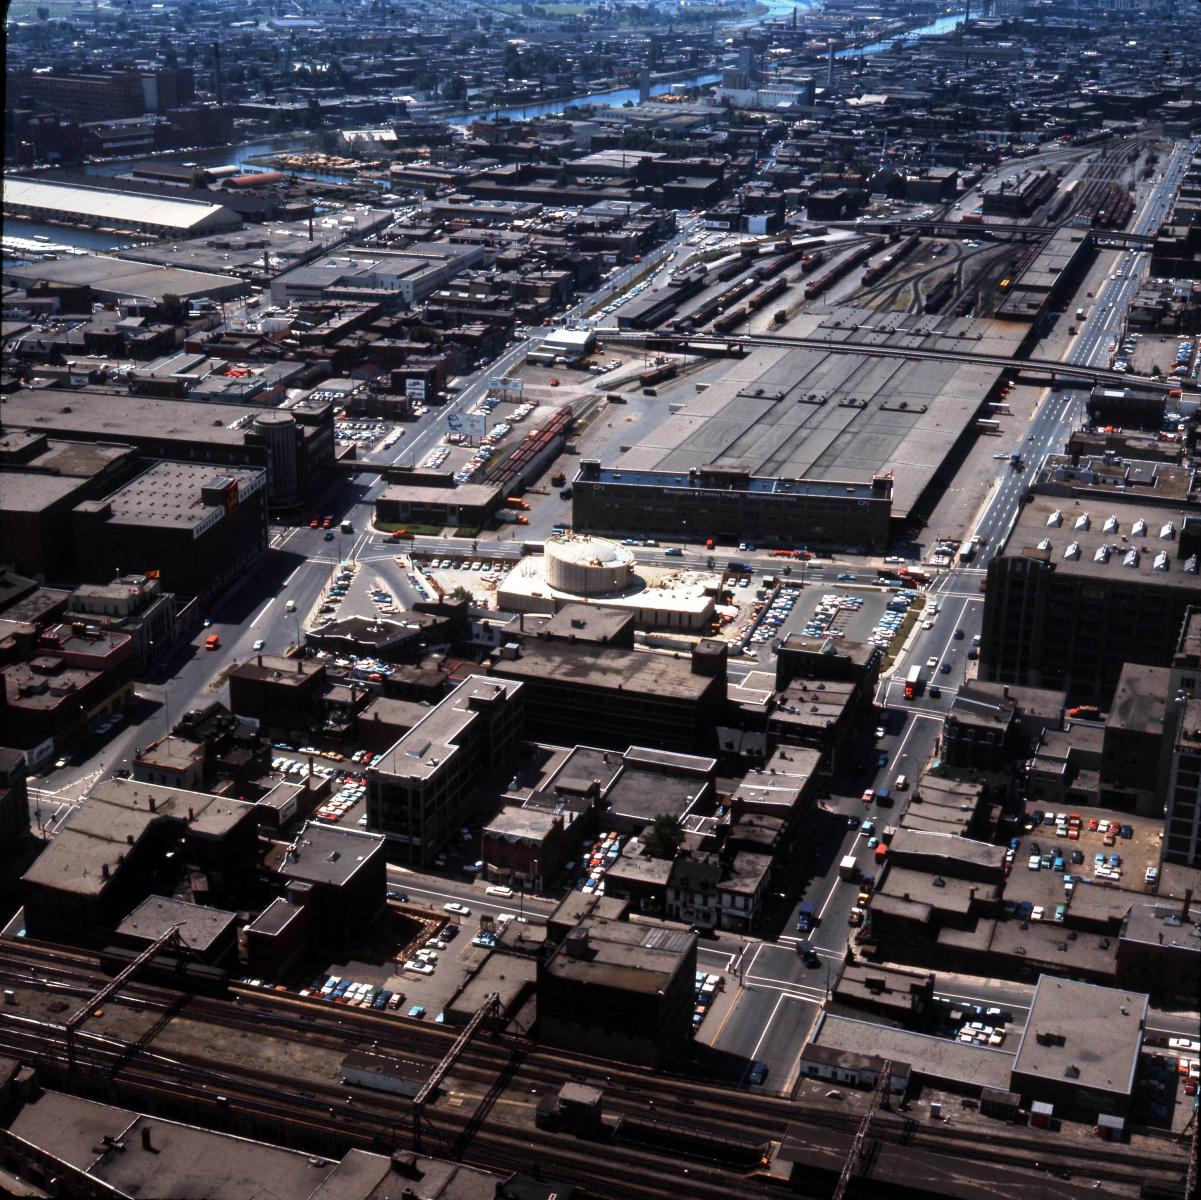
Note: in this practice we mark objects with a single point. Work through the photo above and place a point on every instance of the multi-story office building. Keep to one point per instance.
(1182, 730)
(108, 95)
(1083, 587)
(419, 794)
(604, 696)
(1182, 825)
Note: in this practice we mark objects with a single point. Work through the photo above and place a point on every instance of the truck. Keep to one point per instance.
(517, 503)
(512, 518)
(913, 683)
(881, 853)
(805, 918)
(1080, 314)
(347, 527)
(848, 868)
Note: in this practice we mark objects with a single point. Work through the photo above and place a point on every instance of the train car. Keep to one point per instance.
(938, 295)
(691, 1141)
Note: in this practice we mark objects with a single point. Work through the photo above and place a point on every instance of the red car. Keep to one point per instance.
(315, 523)
(869, 796)
(327, 522)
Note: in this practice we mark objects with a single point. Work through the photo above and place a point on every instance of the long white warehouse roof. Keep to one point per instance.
(126, 207)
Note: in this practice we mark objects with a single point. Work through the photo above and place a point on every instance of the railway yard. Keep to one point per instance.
(258, 1063)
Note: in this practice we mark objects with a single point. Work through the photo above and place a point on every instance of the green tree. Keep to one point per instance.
(663, 836)
(459, 592)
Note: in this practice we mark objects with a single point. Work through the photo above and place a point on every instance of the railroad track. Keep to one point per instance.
(313, 1109)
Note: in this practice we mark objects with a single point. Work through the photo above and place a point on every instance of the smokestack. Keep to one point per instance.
(310, 227)
(146, 1145)
(829, 67)
(1188, 899)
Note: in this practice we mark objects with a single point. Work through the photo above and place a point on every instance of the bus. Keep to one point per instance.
(913, 683)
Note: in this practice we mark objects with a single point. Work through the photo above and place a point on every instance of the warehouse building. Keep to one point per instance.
(1064, 1061)
(802, 444)
(370, 273)
(295, 445)
(619, 990)
(199, 527)
(118, 281)
(103, 208)
(729, 505)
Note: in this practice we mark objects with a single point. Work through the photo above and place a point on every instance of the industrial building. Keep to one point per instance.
(1082, 587)
(104, 208)
(470, 504)
(198, 527)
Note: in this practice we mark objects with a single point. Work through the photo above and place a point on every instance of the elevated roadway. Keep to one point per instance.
(1060, 374)
(933, 227)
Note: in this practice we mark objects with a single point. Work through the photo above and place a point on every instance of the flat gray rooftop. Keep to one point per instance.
(135, 418)
(1106, 538)
(1088, 1034)
(934, 1057)
(168, 494)
(436, 736)
(810, 417)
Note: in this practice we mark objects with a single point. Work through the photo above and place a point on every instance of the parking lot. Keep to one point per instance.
(479, 576)
(859, 615)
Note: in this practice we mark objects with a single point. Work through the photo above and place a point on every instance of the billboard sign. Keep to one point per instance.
(469, 424)
(506, 389)
(415, 389)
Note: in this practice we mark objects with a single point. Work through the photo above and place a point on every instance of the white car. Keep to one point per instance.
(498, 889)
(453, 907)
(259, 644)
(418, 967)
(931, 664)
